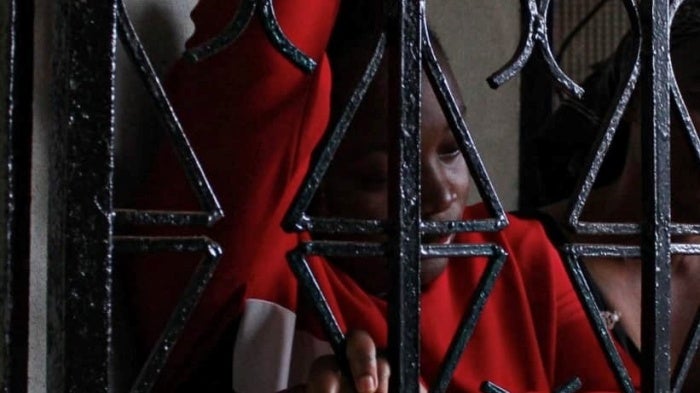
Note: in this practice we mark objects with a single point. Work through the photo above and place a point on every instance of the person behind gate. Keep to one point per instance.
(254, 119)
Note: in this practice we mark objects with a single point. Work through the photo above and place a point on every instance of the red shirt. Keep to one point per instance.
(254, 119)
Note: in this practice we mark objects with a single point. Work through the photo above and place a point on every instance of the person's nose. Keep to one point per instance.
(437, 192)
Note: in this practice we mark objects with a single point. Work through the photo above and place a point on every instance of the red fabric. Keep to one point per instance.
(253, 120)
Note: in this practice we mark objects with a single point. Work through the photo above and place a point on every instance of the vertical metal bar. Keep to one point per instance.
(80, 204)
(536, 93)
(15, 147)
(656, 238)
(404, 201)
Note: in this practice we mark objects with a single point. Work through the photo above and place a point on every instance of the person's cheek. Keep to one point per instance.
(375, 205)
(459, 177)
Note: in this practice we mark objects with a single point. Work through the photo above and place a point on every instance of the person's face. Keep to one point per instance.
(685, 167)
(357, 183)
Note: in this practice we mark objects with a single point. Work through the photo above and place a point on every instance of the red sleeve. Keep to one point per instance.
(578, 352)
(537, 260)
(567, 342)
(253, 120)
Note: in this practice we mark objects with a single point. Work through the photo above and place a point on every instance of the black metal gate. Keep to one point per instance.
(15, 148)
(82, 213)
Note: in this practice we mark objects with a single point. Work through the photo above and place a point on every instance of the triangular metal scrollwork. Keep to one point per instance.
(462, 135)
(296, 218)
(497, 258)
(211, 213)
(196, 177)
(694, 141)
(595, 161)
(573, 255)
(687, 355)
(154, 364)
(606, 134)
(692, 341)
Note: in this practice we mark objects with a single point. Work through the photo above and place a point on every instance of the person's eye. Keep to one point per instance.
(451, 153)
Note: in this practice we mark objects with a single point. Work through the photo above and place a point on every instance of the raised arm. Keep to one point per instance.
(253, 119)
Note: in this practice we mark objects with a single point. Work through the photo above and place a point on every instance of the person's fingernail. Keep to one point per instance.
(366, 384)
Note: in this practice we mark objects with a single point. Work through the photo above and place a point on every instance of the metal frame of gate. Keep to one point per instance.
(16, 50)
(82, 216)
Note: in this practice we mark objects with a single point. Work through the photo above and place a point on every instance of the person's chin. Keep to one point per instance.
(431, 269)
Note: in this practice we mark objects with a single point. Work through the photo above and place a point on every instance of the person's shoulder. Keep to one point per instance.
(529, 249)
(532, 260)
(520, 231)
(526, 231)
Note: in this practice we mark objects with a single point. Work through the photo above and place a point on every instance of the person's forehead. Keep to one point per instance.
(368, 130)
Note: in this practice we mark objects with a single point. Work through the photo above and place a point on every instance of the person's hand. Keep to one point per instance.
(370, 373)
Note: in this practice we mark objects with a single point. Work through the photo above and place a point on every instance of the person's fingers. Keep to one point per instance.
(383, 373)
(362, 358)
(324, 376)
(422, 389)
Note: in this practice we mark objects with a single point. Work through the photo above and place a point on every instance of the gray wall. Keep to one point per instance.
(39, 202)
(479, 38)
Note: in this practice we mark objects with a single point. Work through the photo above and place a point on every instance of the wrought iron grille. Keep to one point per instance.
(15, 148)
(82, 216)
(659, 91)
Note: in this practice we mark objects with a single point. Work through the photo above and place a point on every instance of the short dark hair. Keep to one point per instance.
(357, 30)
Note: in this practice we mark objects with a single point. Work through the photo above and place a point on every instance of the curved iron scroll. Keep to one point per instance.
(535, 33)
(245, 13)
